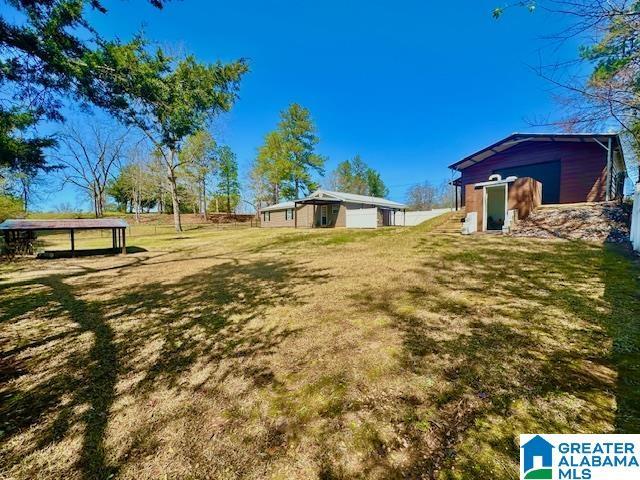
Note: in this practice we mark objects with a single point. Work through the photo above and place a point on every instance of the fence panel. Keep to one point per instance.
(415, 218)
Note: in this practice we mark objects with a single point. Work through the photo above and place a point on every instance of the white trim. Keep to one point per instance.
(490, 183)
(484, 209)
(484, 203)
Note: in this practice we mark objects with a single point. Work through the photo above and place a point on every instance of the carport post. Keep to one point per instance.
(73, 244)
(295, 214)
(113, 239)
(124, 241)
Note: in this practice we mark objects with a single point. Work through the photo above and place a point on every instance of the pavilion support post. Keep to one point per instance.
(124, 241)
(295, 215)
(113, 239)
(73, 243)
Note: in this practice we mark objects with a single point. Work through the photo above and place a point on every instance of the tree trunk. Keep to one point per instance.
(95, 203)
(137, 197)
(204, 199)
(100, 203)
(174, 196)
(25, 199)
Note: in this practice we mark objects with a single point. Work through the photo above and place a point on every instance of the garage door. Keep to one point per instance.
(362, 218)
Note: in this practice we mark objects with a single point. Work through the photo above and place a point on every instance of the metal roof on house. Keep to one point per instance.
(278, 206)
(336, 197)
(63, 224)
(353, 198)
(517, 138)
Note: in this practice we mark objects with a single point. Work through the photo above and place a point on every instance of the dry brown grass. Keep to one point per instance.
(313, 354)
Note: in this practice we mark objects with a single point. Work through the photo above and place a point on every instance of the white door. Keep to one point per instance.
(495, 207)
(362, 218)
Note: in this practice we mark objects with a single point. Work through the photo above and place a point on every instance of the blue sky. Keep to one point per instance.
(411, 86)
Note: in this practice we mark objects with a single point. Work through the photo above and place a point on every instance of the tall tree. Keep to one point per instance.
(170, 99)
(133, 188)
(228, 185)
(198, 158)
(300, 139)
(271, 168)
(376, 186)
(355, 176)
(287, 161)
(91, 157)
(49, 52)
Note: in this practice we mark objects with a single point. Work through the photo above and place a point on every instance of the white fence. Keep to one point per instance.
(414, 218)
(635, 220)
(362, 218)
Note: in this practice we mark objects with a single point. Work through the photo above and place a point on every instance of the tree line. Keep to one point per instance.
(287, 165)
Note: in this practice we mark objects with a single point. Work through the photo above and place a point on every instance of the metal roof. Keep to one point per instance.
(336, 197)
(517, 138)
(352, 198)
(63, 224)
(278, 206)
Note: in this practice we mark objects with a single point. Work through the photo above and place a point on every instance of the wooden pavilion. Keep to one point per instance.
(14, 230)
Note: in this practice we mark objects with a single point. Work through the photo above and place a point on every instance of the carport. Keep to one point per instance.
(16, 231)
(318, 203)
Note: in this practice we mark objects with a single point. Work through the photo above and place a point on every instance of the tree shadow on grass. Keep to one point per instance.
(508, 327)
(206, 318)
(94, 387)
(621, 277)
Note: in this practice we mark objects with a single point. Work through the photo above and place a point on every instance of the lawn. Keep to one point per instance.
(282, 354)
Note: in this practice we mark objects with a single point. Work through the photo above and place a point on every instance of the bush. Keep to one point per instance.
(10, 207)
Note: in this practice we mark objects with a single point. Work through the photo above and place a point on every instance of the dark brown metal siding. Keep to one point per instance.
(582, 167)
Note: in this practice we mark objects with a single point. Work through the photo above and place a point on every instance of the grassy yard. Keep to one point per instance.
(284, 354)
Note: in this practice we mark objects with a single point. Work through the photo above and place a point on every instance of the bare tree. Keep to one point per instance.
(426, 196)
(90, 158)
(422, 196)
(607, 93)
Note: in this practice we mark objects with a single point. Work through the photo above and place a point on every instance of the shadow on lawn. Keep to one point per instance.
(510, 330)
(203, 318)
